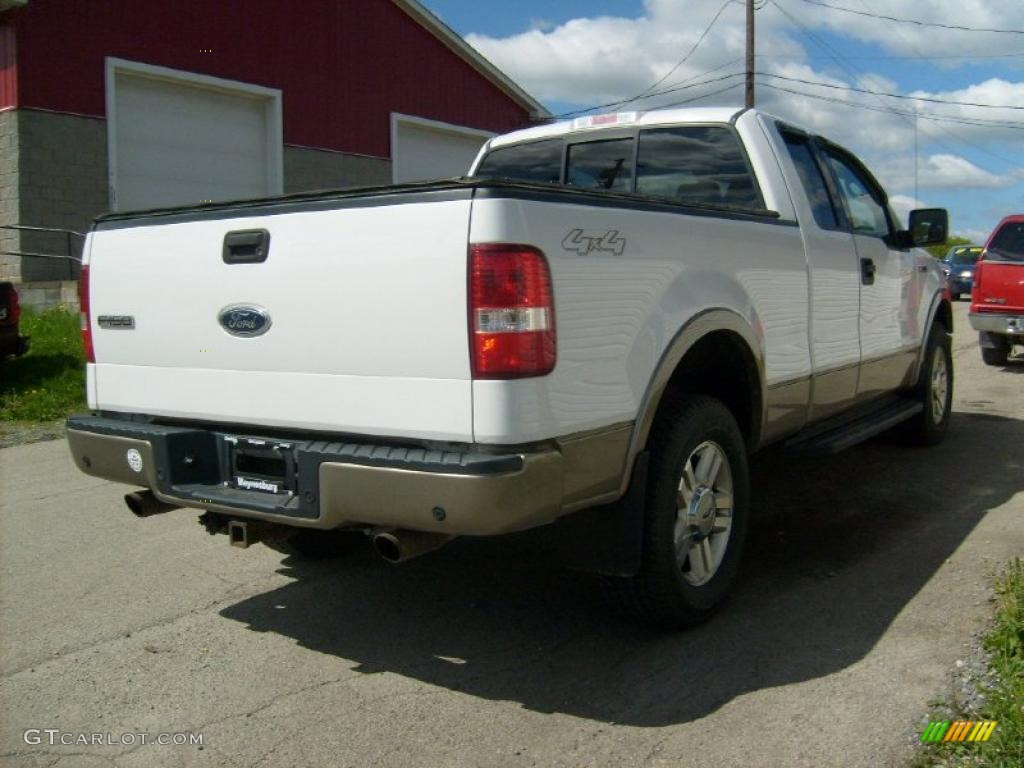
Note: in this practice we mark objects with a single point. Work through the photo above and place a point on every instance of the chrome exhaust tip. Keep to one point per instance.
(400, 546)
(145, 504)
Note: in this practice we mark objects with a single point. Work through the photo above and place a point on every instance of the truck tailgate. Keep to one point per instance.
(366, 303)
(999, 286)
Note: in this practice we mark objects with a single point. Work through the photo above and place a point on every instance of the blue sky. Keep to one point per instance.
(574, 53)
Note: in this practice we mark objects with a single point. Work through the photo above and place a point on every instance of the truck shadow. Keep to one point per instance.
(838, 548)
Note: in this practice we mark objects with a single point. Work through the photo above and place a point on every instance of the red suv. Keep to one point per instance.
(10, 342)
(997, 302)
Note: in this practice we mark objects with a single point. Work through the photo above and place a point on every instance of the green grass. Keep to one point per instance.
(48, 383)
(1005, 700)
(1006, 644)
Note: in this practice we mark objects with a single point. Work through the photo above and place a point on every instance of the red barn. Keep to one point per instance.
(128, 104)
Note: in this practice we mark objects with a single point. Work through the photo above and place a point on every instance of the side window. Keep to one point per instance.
(696, 164)
(867, 215)
(601, 165)
(536, 161)
(813, 182)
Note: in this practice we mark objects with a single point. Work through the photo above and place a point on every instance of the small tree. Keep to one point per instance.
(938, 251)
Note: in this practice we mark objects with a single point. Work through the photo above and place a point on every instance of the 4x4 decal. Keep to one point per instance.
(587, 242)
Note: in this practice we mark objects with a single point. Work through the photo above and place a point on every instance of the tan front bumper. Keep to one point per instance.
(358, 495)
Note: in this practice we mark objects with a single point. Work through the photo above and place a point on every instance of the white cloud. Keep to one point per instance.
(951, 171)
(909, 39)
(904, 204)
(589, 61)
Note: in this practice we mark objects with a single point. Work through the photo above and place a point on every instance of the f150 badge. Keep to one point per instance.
(583, 242)
(244, 320)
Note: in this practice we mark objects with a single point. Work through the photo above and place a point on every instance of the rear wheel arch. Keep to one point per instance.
(717, 354)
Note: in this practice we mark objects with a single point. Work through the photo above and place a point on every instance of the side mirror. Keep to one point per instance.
(928, 226)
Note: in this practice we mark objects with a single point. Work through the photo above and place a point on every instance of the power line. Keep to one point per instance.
(650, 90)
(911, 119)
(980, 123)
(662, 92)
(916, 22)
(929, 99)
(702, 96)
(921, 57)
(689, 53)
(946, 129)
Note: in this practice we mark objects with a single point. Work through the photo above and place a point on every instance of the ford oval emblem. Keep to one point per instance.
(244, 320)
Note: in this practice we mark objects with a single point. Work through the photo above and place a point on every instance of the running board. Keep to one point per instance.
(833, 438)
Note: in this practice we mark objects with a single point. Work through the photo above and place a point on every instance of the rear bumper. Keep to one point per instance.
(996, 322)
(332, 484)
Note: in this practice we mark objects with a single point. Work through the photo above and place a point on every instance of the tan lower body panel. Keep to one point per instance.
(106, 456)
(473, 505)
(549, 483)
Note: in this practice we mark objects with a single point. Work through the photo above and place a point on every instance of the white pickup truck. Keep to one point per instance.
(599, 324)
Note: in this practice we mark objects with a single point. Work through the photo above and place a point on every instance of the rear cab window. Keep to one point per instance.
(601, 165)
(534, 161)
(696, 164)
(1008, 243)
(702, 164)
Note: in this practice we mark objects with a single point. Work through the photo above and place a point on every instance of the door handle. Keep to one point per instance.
(867, 271)
(247, 246)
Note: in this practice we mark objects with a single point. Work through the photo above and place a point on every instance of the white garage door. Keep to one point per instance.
(176, 140)
(426, 149)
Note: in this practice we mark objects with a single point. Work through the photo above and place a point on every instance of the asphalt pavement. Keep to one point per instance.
(867, 576)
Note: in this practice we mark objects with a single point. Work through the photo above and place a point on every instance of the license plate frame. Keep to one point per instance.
(262, 466)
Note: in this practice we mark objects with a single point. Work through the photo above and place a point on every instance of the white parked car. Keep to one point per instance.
(597, 327)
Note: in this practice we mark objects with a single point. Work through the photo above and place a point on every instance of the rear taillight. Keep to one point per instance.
(976, 282)
(511, 312)
(83, 304)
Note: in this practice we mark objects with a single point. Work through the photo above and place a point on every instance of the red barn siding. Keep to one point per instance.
(343, 66)
(8, 67)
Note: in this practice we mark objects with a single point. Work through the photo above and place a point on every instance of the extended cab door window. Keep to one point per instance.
(861, 199)
(601, 165)
(535, 161)
(696, 164)
(822, 205)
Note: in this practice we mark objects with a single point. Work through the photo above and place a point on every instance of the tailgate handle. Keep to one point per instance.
(246, 246)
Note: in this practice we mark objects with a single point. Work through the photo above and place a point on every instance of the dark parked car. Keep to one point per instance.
(10, 342)
(958, 265)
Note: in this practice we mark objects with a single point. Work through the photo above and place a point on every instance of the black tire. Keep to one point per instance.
(995, 349)
(934, 390)
(662, 593)
(318, 545)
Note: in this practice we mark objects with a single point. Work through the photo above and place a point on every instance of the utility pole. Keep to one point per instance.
(750, 54)
(916, 198)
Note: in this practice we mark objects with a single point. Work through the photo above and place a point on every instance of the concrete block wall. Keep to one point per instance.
(44, 295)
(10, 266)
(307, 169)
(62, 171)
